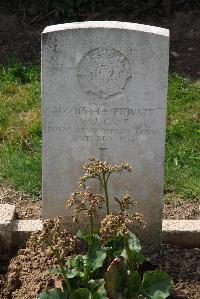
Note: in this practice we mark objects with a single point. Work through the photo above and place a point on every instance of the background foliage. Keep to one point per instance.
(20, 131)
(68, 8)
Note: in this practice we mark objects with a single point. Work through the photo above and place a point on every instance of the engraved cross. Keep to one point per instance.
(102, 153)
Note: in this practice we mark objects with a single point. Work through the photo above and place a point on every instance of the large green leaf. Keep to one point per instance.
(117, 243)
(76, 266)
(97, 257)
(118, 249)
(116, 277)
(76, 262)
(81, 293)
(88, 238)
(101, 293)
(98, 295)
(134, 242)
(71, 273)
(96, 254)
(134, 251)
(53, 294)
(156, 284)
(95, 285)
(136, 256)
(133, 285)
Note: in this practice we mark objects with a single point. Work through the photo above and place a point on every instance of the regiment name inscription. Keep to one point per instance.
(103, 123)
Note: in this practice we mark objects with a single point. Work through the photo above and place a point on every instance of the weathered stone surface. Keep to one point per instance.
(7, 213)
(22, 230)
(104, 87)
(184, 233)
(30, 225)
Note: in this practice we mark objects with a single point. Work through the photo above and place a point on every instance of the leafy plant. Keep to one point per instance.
(110, 264)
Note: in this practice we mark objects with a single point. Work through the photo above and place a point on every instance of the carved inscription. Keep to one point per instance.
(104, 124)
(101, 111)
(104, 72)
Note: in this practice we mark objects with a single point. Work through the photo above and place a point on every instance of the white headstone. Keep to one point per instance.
(104, 89)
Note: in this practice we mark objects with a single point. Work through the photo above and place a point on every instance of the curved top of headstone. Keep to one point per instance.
(108, 25)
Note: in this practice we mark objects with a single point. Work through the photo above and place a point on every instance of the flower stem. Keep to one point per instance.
(130, 258)
(66, 279)
(91, 225)
(62, 270)
(105, 187)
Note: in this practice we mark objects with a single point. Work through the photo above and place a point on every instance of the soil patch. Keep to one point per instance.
(20, 31)
(181, 209)
(184, 267)
(28, 270)
(28, 273)
(27, 207)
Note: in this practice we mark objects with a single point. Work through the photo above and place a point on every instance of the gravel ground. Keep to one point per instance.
(182, 209)
(182, 264)
(184, 267)
(28, 275)
(27, 207)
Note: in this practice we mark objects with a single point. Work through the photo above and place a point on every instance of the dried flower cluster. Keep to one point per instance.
(125, 202)
(85, 201)
(122, 222)
(100, 170)
(54, 239)
(119, 223)
(28, 275)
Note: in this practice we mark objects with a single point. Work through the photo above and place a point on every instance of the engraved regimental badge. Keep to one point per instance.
(104, 72)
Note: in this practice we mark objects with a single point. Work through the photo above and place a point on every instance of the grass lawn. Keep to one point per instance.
(20, 128)
(20, 132)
